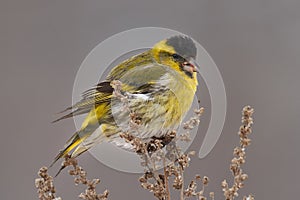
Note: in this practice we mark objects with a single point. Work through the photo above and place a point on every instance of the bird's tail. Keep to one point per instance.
(80, 142)
(86, 137)
(72, 143)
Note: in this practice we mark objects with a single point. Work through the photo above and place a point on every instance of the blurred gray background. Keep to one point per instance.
(255, 44)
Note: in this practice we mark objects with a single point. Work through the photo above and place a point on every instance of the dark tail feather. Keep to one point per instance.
(73, 142)
(68, 108)
(60, 155)
(61, 168)
(57, 158)
(71, 114)
(63, 117)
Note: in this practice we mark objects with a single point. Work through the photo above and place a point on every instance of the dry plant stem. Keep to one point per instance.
(153, 169)
(45, 185)
(134, 124)
(151, 172)
(175, 168)
(81, 177)
(240, 157)
(46, 188)
(182, 188)
(181, 170)
(166, 180)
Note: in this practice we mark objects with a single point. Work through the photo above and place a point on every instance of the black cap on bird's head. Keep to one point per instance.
(183, 45)
(177, 51)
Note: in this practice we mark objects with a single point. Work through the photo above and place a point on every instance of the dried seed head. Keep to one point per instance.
(197, 177)
(205, 180)
(177, 184)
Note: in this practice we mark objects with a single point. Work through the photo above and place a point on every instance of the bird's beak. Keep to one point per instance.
(194, 65)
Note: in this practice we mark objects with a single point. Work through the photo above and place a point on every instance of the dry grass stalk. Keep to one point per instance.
(240, 157)
(158, 183)
(45, 185)
(46, 189)
(173, 173)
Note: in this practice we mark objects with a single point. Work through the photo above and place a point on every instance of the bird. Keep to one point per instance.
(159, 86)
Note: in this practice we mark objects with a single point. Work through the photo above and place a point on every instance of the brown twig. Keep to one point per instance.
(166, 180)
(46, 189)
(45, 185)
(240, 157)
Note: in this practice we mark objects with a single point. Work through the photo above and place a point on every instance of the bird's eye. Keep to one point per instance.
(176, 56)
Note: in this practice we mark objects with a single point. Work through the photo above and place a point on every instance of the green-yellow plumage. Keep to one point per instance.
(160, 85)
